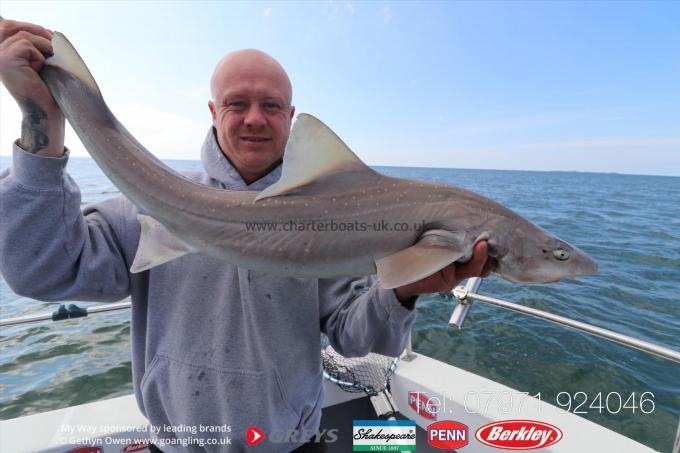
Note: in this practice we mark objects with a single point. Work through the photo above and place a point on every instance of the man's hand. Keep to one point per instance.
(480, 265)
(23, 50)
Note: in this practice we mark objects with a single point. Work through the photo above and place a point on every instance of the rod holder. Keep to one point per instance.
(463, 303)
(409, 355)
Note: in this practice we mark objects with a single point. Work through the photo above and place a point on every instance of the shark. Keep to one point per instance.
(328, 216)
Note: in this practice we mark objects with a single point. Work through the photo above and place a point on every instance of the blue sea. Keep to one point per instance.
(629, 224)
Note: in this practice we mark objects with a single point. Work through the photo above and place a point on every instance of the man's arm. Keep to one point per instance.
(359, 317)
(48, 250)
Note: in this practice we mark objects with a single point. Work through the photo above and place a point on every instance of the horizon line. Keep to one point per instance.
(2, 156)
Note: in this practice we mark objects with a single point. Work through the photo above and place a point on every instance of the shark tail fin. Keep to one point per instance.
(67, 58)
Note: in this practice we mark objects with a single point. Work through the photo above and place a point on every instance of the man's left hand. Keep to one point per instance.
(480, 265)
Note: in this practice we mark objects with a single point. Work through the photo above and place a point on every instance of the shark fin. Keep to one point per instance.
(313, 151)
(435, 250)
(156, 245)
(67, 58)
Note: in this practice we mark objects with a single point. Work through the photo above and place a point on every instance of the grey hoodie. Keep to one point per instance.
(212, 344)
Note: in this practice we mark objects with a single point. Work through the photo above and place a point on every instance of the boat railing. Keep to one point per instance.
(464, 296)
(69, 311)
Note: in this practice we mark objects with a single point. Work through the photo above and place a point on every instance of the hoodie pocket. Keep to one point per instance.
(179, 392)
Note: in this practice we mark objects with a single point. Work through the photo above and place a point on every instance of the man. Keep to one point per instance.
(212, 344)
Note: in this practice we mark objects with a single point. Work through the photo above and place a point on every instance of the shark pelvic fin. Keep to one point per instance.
(435, 250)
(156, 245)
(313, 151)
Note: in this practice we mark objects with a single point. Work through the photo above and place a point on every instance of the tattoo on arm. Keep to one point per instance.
(34, 127)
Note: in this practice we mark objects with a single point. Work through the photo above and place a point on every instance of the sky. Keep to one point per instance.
(567, 86)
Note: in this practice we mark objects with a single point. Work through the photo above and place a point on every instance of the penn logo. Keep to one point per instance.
(519, 434)
(447, 435)
(424, 406)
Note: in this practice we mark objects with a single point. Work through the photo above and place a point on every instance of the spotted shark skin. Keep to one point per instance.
(402, 229)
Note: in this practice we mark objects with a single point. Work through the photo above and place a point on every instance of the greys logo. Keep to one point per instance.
(303, 435)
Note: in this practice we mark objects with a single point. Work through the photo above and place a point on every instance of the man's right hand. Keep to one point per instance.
(23, 50)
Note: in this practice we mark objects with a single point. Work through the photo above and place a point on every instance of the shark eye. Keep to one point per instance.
(561, 254)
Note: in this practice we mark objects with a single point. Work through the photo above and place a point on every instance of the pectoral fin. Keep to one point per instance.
(156, 245)
(435, 250)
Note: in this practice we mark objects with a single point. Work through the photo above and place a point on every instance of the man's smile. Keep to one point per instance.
(253, 138)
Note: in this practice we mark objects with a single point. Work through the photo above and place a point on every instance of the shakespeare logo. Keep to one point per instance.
(383, 435)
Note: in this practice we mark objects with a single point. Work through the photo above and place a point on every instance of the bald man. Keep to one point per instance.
(251, 109)
(213, 345)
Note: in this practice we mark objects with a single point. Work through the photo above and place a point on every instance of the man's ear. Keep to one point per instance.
(213, 113)
(292, 112)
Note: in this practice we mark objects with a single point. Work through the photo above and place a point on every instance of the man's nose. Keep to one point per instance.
(255, 117)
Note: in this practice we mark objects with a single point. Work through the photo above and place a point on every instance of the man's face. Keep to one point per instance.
(251, 113)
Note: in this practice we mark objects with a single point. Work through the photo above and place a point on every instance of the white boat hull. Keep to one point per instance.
(452, 388)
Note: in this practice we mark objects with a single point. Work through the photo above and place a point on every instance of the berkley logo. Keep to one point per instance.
(422, 405)
(518, 434)
(447, 435)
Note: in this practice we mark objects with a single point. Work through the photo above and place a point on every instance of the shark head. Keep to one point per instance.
(536, 256)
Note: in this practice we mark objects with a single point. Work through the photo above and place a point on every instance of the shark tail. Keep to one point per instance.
(67, 59)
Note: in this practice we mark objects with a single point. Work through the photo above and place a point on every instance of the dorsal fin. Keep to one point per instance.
(313, 151)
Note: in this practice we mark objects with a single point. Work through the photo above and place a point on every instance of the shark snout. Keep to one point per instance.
(586, 265)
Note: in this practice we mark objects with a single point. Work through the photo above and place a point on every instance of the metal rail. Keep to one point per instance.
(465, 293)
(65, 312)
